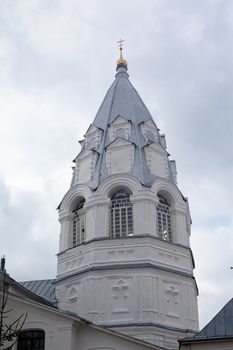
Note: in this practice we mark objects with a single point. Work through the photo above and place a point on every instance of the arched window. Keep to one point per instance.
(121, 214)
(33, 339)
(79, 224)
(164, 219)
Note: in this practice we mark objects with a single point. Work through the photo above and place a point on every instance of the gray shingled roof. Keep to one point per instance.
(123, 100)
(43, 288)
(220, 327)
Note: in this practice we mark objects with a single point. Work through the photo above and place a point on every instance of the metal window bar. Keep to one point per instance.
(31, 340)
(79, 225)
(121, 215)
(164, 220)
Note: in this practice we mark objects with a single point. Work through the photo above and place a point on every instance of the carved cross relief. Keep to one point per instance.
(73, 295)
(120, 293)
(172, 300)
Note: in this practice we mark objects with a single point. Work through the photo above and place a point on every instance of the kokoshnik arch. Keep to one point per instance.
(124, 260)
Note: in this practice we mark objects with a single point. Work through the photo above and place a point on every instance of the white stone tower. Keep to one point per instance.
(125, 260)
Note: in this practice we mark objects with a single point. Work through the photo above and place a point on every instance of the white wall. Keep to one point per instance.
(90, 338)
(58, 329)
(64, 332)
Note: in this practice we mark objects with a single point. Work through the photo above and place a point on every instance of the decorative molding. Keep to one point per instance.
(116, 181)
(168, 188)
(127, 266)
(149, 324)
(71, 196)
(120, 293)
(172, 296)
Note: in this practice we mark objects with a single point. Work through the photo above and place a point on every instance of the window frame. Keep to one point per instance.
(121, 214)
(79, 224)
(163, 219)
(24, 342)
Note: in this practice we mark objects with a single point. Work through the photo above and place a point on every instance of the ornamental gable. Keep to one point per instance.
(149, 131)
(157, 160)
(119, 157)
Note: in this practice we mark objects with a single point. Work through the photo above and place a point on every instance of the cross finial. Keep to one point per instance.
(120, 44)
(121, 62)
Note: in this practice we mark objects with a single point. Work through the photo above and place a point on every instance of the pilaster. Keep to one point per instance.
(66, 221)
(144, 213)
(97, 217)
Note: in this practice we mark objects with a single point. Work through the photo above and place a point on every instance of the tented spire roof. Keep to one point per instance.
(122, 100)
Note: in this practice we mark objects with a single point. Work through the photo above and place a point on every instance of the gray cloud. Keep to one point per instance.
(22, 232)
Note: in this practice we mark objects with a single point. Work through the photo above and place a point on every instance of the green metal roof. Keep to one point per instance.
(220, 327)
(43, 288)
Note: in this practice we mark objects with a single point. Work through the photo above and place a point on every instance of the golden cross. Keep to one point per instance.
(120, 42)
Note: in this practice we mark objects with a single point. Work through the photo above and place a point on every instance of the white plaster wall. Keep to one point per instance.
(155, 335)
(85, 164)
(90, 215)
(92, 134)
(97, 219)
(102, 220)
(157, 160)
(65, 234)
(144, 203)
(65, 333)
(149, 126)
(144, 215)
(58, 329)
(112, 297)
(86, 159)
(90, 338)
(179, 224)
(131, 250)
(105, 295)
(119, 157)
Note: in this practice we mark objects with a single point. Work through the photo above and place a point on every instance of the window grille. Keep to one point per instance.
(31, 340)
(79, 224)
(164, 219)
(121, 215)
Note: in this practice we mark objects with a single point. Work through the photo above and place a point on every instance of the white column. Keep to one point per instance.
(66, 221)
(97, 217)
(179, 226)
(144, 213)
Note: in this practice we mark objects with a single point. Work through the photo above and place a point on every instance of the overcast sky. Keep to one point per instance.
(57, 60)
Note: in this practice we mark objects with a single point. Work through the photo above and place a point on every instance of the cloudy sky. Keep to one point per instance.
(57, 59)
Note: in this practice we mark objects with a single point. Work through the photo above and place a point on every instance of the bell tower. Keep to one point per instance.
(124, 260)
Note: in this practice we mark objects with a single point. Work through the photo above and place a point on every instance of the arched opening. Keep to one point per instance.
(33, 339)
(164, 229)
(79, 223)
(121, 214)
